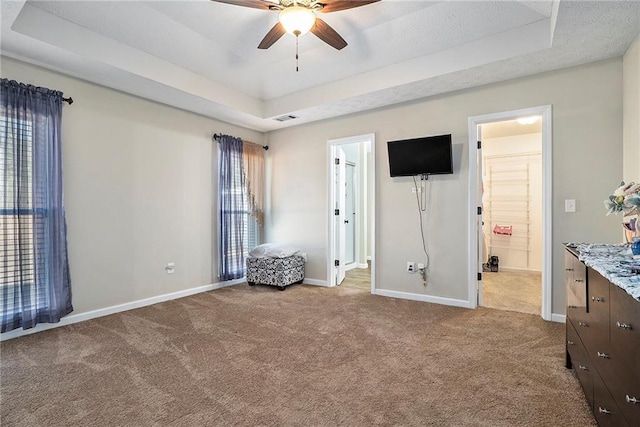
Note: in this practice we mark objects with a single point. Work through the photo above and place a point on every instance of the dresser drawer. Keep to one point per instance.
(597, 319)
(625, 326)
(575, 348)
(622, 382)
(581, 363)
(627, 397)
(605, 408)
(575, 275)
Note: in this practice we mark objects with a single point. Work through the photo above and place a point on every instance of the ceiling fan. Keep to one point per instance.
(298, 17)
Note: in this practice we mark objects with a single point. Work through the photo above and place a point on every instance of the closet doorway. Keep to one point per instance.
(351, 231)
(512, 214)
(510, 239)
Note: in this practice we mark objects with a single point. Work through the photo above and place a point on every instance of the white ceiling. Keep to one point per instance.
(201, 55)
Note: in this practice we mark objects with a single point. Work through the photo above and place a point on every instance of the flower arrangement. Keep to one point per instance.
(625, 199)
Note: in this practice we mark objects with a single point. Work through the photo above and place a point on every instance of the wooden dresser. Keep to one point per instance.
(603, 343)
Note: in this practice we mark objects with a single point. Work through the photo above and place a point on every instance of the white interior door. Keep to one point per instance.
(479, 191)
(340, 209)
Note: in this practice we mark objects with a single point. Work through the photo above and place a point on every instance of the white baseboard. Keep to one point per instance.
(560, 318)
(368, 257)
(315, 282)
(363, 265)
(351, 266)
(81, 317)
(518, 270)
(423, 298)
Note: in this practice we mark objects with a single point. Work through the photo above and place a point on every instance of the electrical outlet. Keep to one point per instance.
(411, 266)
(420, 266)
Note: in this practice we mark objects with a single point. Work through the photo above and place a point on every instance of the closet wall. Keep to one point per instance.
(512, 200)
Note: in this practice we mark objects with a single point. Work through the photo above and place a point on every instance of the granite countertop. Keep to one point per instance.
(614, 262)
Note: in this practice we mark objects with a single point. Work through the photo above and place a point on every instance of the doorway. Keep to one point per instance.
(352, 218)
(512, 214)
(351, 191)
(510, 181)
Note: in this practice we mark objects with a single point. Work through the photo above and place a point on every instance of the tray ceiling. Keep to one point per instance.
(201, 56)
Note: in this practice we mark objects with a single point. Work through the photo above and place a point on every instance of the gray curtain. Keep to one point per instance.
(35, 284)
(232, 209)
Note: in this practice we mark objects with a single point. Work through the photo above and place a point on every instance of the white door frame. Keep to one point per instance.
(340, 186)
(547, 272)
(371, 222)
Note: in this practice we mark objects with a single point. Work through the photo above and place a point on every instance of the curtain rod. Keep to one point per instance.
(69, 100)
(266, 147)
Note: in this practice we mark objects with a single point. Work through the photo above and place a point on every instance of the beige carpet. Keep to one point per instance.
(512, 290)
(308, 356)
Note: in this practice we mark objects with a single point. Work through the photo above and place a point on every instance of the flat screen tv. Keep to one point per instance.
(429, 155)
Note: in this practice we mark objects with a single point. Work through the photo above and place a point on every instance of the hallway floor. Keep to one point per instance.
(358, 278)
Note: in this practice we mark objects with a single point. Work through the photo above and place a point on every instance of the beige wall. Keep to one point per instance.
(139, 191)
(587, 160)
(631, 102)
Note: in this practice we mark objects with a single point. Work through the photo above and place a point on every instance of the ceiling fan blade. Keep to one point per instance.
(256, 4)
(272, 36)
(328, 34)
(337, 5)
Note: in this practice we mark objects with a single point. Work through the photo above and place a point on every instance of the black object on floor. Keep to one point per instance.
(492, 265)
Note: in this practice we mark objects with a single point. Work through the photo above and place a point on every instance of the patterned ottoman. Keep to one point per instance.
(280, 272)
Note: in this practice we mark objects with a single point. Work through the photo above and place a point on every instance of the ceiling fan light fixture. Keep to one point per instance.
(297, 20)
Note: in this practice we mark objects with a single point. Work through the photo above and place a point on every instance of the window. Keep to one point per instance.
(238, 229)
(243, 226)
(17, 213)
(35, 283)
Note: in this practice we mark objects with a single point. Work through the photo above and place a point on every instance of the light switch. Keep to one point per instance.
(569, 205)
(170, 268)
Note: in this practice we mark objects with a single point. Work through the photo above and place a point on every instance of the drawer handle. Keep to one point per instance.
(632, 399)
(597, 299)
(603, 411)
(603, 355)
(578, 280)
(568, 269)
(570, 342)
(584, 325)
(582, 368)
(623, 325)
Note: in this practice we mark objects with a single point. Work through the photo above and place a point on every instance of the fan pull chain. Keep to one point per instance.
(297, 38)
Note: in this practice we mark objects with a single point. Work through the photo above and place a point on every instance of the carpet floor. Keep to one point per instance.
(513, 290)
(306, 356)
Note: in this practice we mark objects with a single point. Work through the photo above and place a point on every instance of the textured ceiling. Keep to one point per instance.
(201, 55)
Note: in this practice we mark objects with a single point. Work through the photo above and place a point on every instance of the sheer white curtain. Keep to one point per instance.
(253, 164)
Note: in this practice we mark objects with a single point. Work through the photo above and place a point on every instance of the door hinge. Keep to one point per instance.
(336, 161)
(479, 210)
(336, 212)
(479, 145)
(336, 262)
(479, 277)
